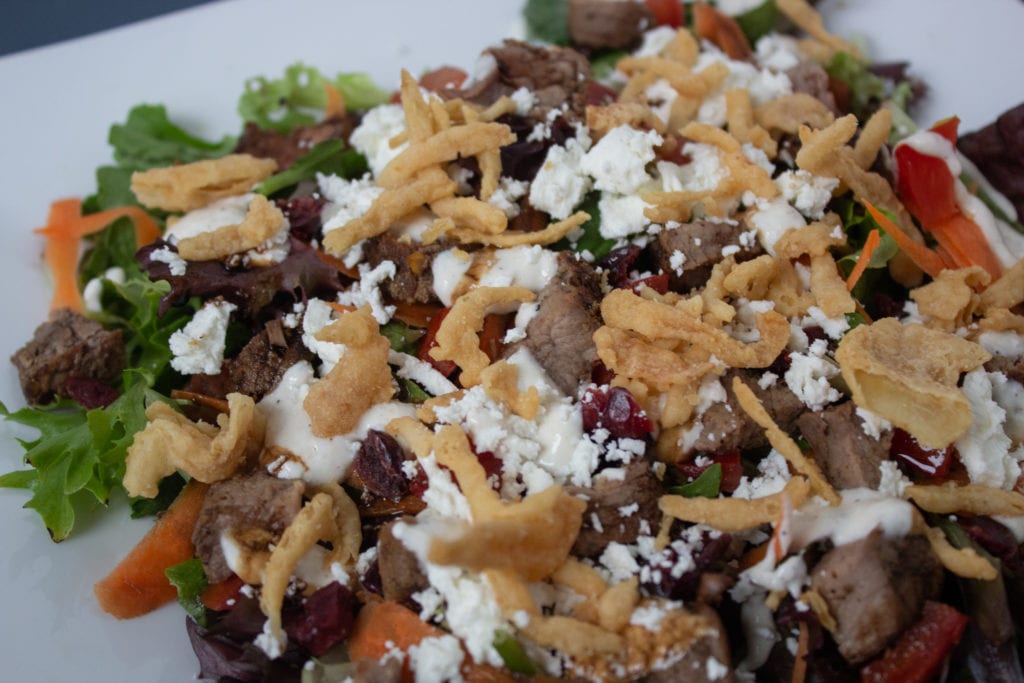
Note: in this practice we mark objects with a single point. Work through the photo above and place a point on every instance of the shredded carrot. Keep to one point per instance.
(338, 264)
(966, 243)
(220, 596)
(335, 102)
(870, 245)
(138, 585)
(418, 315)
(925, 259)
(754, 555)
(341, 308)
(800, 659)
(64, 229)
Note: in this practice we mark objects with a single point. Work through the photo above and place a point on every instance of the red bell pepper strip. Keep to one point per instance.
(927, 188)
(919, 653)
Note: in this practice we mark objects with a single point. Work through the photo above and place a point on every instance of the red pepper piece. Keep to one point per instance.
(919, 653)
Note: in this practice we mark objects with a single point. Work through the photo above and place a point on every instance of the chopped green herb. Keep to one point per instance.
(190, 580)
(707, 485)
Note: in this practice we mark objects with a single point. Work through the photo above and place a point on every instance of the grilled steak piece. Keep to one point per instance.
(284, 148)
(560, 336)
(67, 346)
(616, 24)
(400, 572)
(811, 79)
(257, 502)
(700, 246)
(606, 501)
(875, 589)
(414, 277)
(848, 457)
(726, 426)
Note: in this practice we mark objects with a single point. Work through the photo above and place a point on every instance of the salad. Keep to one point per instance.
(607, 399)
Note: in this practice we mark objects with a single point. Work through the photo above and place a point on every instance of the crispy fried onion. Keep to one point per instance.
(457, 142)
(965, 562)
(633, 355)
(736, 514)
(457, 337)
(806, 17)
(908, 374)
(973, 498)
(262, 221)
(787, 113)
(950, 300)
(330, 516)
(740, 118)
(625, 310)
(192, 186)
(531, 537)
(601, 120)
(515, 238)
(825, 152)
(430, 184)
(829, 289)
(501, 383)
(782, 442)
(362, 378)
(206, 453)
(1007, 291)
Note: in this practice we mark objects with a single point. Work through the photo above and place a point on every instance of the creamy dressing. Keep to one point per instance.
(531, 267)
(322, 460)
(227, 211)
(448, 268)
(861, 512)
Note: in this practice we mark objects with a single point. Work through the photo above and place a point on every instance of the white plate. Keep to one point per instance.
(59, 102)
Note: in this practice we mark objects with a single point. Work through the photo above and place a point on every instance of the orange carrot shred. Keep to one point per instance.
(870, 245)
(138, 585)
(925, 259)
(966, 243)
(335, 101)
(799, 660)
(65, 227)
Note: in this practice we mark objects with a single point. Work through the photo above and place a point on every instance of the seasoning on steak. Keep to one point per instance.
(400, 572)
(700, 244)
(256, 503)
(848, 457)
(67, 346)
(726, 426)
(414, 277)
(811, 79)
(605, 502)
(258, 367)
(615, 24)
(555, 75)
(875, 588)
(998, 152)
(560, 335)
(286, 148)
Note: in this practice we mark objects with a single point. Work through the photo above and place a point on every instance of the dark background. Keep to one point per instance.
(30, 23)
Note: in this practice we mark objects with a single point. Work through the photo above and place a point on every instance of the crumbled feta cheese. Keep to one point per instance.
(1002, 343)
(757, 156)
(985, 448)
(622, 215)
(809, 374)
(893, 482)
(524, 315)
(676, 261)
(372, 137)
(655, 41)
(774, 473)
(704, 172)
(177, 265)
(808, 193)
(835, 328)
(618, 161)
(421, 372)
(524, 100)
(506, 196)
(768, 379)
(873, 424)
(366, 291)
(619, 561)
(777, 52)
(198, 347)
(660, 97)
(318, 316)
(560, 184)
(92, 293)
(1010, 397)
(437, 659)
(530, 266)
(772, 218)
(347, 200)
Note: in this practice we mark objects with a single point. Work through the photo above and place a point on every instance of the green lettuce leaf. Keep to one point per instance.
(758, 21)
(78, 455)
(591, 240)
(297, 98)
(190, 580)
(330, 157)
(547, 21)
(705, 486)
(148, 139)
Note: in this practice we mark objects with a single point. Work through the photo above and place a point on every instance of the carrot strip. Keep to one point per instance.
(966, 243)
(221, 596)
(417, 315)
(385, 626)
(339, 264)
(341, 308)
(925, 259)
(335, 101)
(800, 659)
(138, 585)
(870, 245)
(65, 226)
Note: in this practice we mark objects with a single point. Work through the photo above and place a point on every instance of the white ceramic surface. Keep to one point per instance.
(58, 103)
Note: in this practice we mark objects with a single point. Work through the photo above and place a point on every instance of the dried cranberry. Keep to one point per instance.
(379, 464)
(931, 462)
(326, 619)
(659, 283)
(780, 365)
(732, 468)
(815, 333)
(600, 374)
(419, 483)
(661, 580)
(303, 214)
(371, 580)
(994, 537)
(492, 466)
(599, 95)
(618, 263)
(89, 393)
(617, 411)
